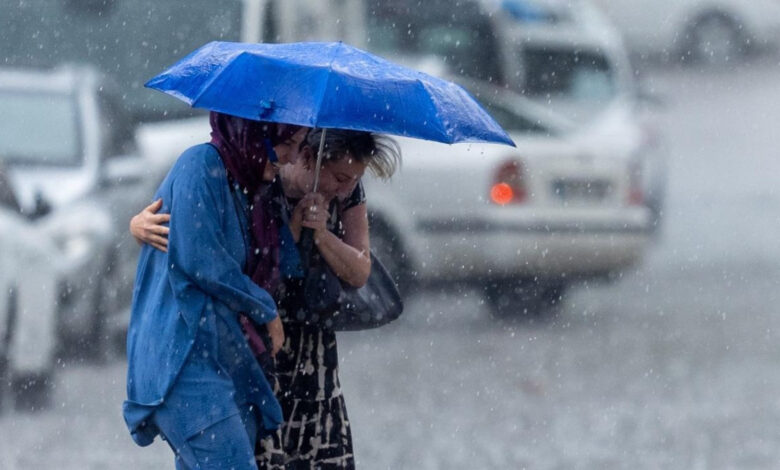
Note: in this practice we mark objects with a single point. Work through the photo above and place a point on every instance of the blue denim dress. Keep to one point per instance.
(185, 348)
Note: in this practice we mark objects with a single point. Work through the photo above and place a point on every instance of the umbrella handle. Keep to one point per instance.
(318, 165)
(307, 234)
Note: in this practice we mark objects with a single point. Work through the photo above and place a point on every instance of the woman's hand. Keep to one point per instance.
(276, 332)
(349, 257)
(311, 212)
(147, 226)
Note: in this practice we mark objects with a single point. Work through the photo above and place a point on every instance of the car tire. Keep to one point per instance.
(98, 344)
(94, 345)
(551, 295)
(32, 391)
(714, 39)
(388, 248)
(524, 298)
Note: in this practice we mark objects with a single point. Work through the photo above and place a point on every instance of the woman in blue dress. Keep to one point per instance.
(192, 377)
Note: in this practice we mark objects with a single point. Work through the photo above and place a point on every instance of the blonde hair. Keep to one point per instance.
(380, 153)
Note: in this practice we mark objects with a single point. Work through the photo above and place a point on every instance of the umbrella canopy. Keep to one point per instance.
(327, 85)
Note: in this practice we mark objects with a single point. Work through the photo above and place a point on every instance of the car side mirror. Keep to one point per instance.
(42, 206)
(122, 170)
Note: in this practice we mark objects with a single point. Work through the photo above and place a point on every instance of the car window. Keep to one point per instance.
(132, 40)
(119, 137)
(567, 74)
(498, 103)
(460, 34)
(514, 122)
(39, 128)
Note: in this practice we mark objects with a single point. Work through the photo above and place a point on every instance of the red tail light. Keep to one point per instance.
(508, 184)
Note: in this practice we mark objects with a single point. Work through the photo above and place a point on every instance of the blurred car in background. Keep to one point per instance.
(574, 62)
(72, 167)
(705, 31)
(522, 223)
(565, 56)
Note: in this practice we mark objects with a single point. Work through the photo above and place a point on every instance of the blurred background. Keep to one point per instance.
(602, 296)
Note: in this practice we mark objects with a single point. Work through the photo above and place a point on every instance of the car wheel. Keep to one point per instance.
(523, 298)
(388, 248)
(551, 295)
(98, 345)
(715, 39)
(94, 345)
(32, 392)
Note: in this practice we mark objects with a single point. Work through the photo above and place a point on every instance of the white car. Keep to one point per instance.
(565, 56)
(714, 31)
(73, 172)
(576, 65)
(525, 222)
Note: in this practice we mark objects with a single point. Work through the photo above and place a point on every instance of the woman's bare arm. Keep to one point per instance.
(349, 258)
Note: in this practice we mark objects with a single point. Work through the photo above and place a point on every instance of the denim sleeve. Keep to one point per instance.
(197, 250)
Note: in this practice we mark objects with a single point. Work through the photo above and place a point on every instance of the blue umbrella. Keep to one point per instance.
(327, 85)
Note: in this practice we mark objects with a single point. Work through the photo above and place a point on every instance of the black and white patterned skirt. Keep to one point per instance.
(315, 433)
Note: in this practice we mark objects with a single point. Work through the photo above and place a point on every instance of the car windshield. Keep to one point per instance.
(461, 34)
(572, 82)
(39, 129)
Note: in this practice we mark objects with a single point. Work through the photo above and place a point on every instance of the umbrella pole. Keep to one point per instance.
(319, 161)
(307, 234)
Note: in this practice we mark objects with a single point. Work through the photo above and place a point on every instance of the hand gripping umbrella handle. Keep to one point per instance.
(307, 234)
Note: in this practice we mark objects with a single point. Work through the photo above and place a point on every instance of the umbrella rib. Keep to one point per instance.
(439, 124)
(214, 78)
(327, 81)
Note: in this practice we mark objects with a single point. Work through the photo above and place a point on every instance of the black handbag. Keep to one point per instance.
(341, 307)
(335, 305)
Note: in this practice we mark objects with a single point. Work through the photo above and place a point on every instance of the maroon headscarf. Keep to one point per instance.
(245, 147)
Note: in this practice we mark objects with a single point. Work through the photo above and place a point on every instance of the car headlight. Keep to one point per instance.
(75, 245)
(78, 233)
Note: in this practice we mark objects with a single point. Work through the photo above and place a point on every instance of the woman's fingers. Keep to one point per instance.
(276, 332)
(154, 207)
(157, 246)
(157, 241)
(160, 218)
(159, 229)
(315, 221)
